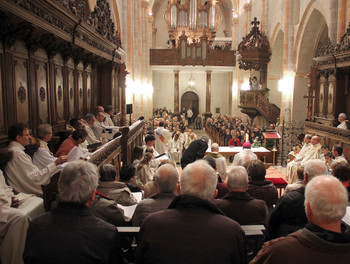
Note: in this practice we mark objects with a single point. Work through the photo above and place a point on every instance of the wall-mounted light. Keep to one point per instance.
(191, 81)
(245, 86)
(286, 85)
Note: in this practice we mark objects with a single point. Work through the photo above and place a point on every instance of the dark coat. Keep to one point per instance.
(263, 190)
(289, 214)
(71, 234)
(195, 150)
(192, 230)
(310, 245)
(243, 208)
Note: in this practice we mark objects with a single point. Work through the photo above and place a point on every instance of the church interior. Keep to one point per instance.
(276, 68)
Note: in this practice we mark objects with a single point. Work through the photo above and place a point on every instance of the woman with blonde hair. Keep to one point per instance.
(144, 173)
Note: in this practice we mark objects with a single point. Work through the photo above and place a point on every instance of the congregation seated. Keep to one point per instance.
(192, 227)
(22, 174)
(221, 186)
(245, 155)
(238, 204)
(166, 178)
(258, 187)
(70, 233)
(110, 186)
(324, 239)
(289, 214)
(219, 160)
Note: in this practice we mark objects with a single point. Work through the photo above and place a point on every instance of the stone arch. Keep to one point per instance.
(190, 98)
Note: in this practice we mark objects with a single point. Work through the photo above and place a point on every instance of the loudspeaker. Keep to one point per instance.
(129, 109)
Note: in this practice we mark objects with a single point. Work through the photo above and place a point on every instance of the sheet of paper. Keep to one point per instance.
(346, 218)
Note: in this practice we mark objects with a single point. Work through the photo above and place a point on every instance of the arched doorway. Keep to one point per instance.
(190, 99)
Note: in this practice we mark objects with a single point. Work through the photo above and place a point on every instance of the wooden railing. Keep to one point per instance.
(215, 136)
(254, 103)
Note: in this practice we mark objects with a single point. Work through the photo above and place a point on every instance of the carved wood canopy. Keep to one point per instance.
(64, 26)
(254, 50)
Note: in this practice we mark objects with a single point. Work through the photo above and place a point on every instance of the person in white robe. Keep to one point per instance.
(219, 160)
(23, 175)
(176, 148)
(313, 153)
(245, 155)
(299, 157)
(144, 173)
(337, 152)
(163, 136)
(88, 123)
(342, 119)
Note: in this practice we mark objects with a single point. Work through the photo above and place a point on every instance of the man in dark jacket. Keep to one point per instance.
(195, 150)
(192, 229)
(70, 233)
(289, 214)
(238, 204)
(324, 239)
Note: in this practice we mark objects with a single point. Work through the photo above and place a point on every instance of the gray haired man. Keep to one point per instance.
(70, 233)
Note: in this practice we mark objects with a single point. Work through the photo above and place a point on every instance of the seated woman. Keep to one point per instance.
(258, 187)
(144, 173)
(110, 186)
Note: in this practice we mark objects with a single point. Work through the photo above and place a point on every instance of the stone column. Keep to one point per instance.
(262, 16)
(230, 74)
(176, 93)
(341, 19)
(208, 96)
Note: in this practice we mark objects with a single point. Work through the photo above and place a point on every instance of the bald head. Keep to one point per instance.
(325, 200)
(199, 179)
(166, 178)
(315, 140)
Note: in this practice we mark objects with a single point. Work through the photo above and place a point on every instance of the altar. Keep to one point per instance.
(231, 151)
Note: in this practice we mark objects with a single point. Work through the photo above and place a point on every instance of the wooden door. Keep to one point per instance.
(190, 99)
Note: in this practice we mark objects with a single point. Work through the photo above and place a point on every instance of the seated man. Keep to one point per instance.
(166, 178)
(43, 156)
(127, 176)
(22, 174)
(342, 119)
(289, 214)
(238, 204)
(15, 213)
(110, 186)
(87, 125)
(245, 155)
(313, 153)
(337, 152)
(192, 229)
(70, 233)
(219, 160)
(324, 239)
(221, 186)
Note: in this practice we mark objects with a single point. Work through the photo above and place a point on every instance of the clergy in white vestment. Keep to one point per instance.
(22, 174)
(313, 153)
(176, 147)
(88, 123)
(299, 157)
(342, 119)
(163, 137)
(337, 152)
(108, 115)
(15, 213)
(219, 160)
(245, 155)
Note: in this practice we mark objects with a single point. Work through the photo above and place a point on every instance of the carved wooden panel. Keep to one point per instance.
(80, 93)
(71, 92)
(330, 99)
(59, 92)
(42, 91)
(321, 96)
(89, 92)
(20, 66)
(2, 105)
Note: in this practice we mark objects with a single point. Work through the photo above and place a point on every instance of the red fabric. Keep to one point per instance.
(66, 146)
(277, 180)
(271, 135)
(232, 142)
